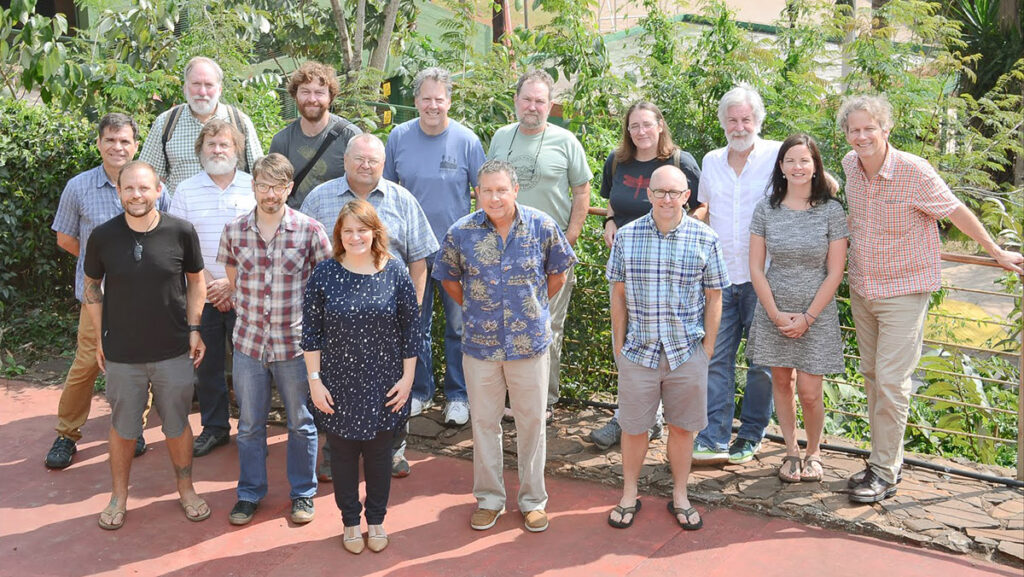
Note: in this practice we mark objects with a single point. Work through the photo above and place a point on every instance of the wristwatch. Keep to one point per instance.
(314, 376)
(194, 328)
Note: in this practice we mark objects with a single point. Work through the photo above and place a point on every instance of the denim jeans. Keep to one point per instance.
(454, 379)
(252, 390)
(211, 385)
(738, 301)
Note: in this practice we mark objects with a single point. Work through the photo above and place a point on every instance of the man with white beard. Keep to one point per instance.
(733, 180)
(209, 200)
(169, 146)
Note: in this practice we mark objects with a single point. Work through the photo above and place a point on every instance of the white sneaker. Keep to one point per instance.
(456, 413)
(418, 406)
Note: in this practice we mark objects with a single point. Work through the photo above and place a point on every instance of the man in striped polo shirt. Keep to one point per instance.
(209, 200)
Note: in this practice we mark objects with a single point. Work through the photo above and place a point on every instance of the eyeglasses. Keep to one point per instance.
(643, 126)
(264, 188)
(371, 162)
(673, 194)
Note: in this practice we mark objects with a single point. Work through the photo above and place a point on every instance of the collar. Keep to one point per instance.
(343, 187)
(653, 226)
(101, 179)
(240, 180)
(480, 218)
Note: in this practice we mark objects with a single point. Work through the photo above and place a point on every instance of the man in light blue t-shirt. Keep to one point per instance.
(437, 159)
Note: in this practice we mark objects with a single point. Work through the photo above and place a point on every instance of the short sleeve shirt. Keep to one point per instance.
(665, 277)
(270, 279)
(504, 283)
(894, 234)
(547, 164)
(409, 235)
(299, 149)
(625, 184)
(731, 200)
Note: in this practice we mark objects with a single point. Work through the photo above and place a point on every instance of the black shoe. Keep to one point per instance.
(60, 453)
(208, 441)
(856, 478)
(140, 446)
(872, 489)
(242, 512)
(302, 510)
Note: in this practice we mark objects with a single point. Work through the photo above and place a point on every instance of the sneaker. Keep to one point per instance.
(607, 436)
(536, 520)
(140, 446)
(207, 441)
(872, 489)
(242, 512)
(456, 413)
(508, 416)
(302, 510)
(656, 431)
(704, 455)
(856, 478)
(59, 455)
(400, 467)
(549, 415)
(742, 451)
(416, 407)
(323, 472)
(484, 519)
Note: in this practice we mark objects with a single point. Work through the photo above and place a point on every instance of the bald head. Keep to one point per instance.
(669, 177)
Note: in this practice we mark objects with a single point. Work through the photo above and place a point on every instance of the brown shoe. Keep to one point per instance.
(352, 540)
(376, 539)
(536, 520)
(484, 519)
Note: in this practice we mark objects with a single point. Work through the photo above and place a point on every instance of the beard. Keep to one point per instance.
(313, 112)
(741, 141)
(218, 166)
(202, 107)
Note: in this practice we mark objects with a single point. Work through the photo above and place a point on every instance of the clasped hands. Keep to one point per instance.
(792, 325)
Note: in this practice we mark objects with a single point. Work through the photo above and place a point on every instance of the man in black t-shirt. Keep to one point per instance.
(145, 291)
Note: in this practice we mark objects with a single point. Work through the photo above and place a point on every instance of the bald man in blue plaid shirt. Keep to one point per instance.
(667, 273)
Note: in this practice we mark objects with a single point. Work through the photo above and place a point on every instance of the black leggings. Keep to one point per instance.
(376, 455)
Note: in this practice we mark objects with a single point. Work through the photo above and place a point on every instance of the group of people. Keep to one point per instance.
(316, 265)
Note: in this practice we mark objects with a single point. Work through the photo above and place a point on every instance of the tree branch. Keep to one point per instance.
(343, 38)
(379, 57)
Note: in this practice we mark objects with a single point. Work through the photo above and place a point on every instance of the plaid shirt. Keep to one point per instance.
(504, 283)
(409, 235)
(270, 280)
(665, 277)
(89, 200)
(181, 147)
(894, 235)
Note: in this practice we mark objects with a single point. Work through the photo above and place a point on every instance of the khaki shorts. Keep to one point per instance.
(128, 393)
(683, 391)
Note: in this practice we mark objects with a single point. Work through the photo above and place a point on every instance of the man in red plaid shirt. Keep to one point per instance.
(895, 201)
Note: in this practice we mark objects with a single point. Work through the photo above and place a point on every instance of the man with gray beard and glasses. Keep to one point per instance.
(169, 146)
(209, 200)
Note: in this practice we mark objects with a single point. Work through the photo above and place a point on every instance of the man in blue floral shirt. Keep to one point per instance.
(502, 264)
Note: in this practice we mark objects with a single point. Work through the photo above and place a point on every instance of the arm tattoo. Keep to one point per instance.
(183, 472)
(93, 294)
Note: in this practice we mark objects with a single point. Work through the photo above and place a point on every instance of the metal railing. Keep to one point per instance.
(969, 349)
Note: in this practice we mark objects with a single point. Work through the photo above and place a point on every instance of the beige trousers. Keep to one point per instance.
(76, 398)
(559, 308)
(889, 333)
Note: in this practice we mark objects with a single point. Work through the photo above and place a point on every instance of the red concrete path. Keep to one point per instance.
(48, 523)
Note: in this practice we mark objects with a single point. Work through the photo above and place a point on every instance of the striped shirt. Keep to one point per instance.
(200, 201)
(410, 237)
(89, 200)
(731, 200)
(180, 161)
(665, 276)
(270, 280)
(894, 234)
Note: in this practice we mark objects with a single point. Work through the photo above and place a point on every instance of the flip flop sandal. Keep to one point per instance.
(812, 469)
(112, 526)
(623, 511)
(676, 511)
(196, 516)
(784, 475)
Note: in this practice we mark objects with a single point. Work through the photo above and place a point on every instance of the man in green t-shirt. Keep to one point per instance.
(554, 177)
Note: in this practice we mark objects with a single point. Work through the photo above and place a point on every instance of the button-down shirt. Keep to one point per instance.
(731, 200)
(409, 235)
(504, 283)
(179, 160)
(665, 277)
(270, 280)
(894, 234)
(89, 200)
(200, 201)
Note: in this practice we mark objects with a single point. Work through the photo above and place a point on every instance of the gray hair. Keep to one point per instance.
(204, 60)
(495, 166)
(741, 94)
(536, 76)
(876, 106)
(439, 75)
(367, 136)
(117, 121)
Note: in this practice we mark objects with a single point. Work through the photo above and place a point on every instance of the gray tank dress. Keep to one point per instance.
(797, 245)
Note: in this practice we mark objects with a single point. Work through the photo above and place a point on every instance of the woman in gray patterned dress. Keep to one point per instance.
(798, 233)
